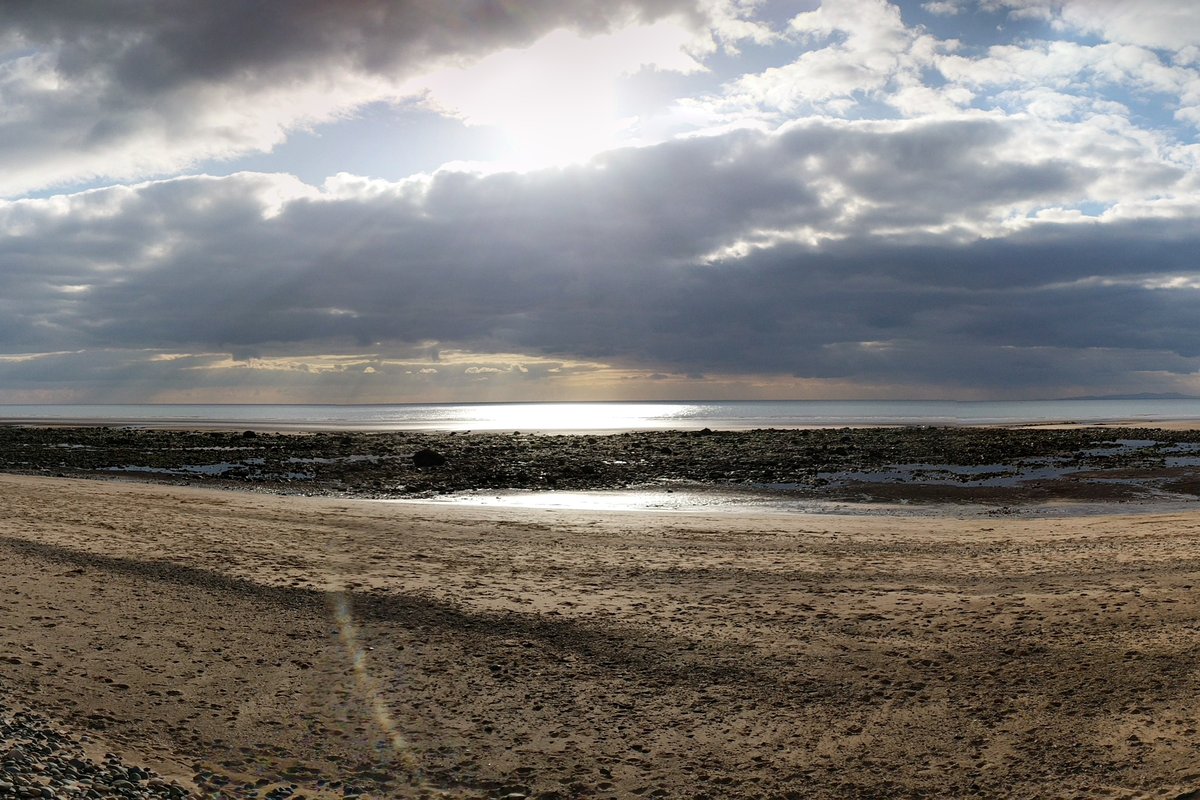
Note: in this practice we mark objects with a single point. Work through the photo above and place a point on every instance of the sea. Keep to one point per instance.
(593, 417)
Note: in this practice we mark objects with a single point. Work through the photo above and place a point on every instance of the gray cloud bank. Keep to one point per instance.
(796, 253)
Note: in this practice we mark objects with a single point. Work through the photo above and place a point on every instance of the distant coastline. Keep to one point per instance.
(1128, 397)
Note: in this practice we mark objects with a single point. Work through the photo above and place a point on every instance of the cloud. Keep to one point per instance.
(558, 100)
(905, 251)
(1159, 24)
(1041, 10)
(1066, 66)
(108, 375)
(860, 59)
(861, 204)
(139, 89)
(1150, 46)
(863, 46)
(942, 7)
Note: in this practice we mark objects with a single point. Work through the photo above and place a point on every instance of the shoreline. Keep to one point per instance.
(578, 653)
(732, 504)
(299, 428)
(993, 467)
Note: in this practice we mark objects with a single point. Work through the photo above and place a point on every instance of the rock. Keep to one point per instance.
(428, 458)
(43, 762)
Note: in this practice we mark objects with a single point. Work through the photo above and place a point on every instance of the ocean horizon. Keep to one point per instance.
(608, 416)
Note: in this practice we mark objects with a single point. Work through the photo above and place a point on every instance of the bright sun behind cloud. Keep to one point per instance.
(558, 101)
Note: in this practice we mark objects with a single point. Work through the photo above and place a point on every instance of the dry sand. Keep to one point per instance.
(416, 650)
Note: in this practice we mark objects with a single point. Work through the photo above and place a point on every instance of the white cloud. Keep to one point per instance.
(1187, 56)
(922, 101)
(1064, 65)
(1161, 24)
(863, 52)
(732, 23)
(1060, 78)
(1025, 9)
(942, 7)
(862, 46)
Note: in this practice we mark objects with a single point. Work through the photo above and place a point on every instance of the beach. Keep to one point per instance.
(253, 645)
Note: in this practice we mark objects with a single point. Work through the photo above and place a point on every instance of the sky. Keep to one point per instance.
(488, 200)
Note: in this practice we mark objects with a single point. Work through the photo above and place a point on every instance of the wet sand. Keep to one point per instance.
(401, 650)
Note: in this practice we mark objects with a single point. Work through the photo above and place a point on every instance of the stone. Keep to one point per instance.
(428, 458)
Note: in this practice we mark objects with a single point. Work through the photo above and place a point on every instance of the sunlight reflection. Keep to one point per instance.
(569, 416)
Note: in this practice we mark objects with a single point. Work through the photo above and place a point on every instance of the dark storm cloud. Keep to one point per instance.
(835, 313)
(626, 260)
(152, 47)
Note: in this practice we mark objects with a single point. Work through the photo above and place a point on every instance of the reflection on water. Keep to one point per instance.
(616, 500)
(664, 501)
(732, 502)
(566, 416)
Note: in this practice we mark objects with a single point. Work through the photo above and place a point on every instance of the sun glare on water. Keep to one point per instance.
(569, 416)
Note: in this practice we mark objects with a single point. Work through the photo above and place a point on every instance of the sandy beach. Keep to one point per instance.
(244, 643)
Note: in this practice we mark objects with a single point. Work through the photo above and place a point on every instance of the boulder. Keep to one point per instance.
(428, 458)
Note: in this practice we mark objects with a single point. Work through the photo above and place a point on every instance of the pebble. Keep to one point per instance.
(37, 760)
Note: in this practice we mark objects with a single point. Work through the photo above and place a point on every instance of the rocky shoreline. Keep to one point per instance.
(40, 760)
(921, 464)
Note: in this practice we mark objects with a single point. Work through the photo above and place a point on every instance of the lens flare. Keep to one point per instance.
(367, 685)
